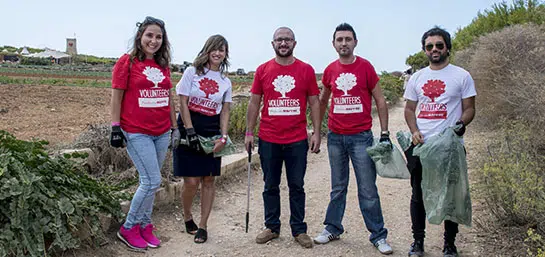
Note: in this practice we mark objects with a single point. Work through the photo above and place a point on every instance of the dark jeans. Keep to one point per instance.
(272, 157)
(418, 213)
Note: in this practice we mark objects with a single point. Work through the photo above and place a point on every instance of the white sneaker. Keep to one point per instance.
(383, 247)
(325, 237)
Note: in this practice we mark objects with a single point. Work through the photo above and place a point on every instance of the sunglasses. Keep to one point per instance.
(439, 46)
(151, 20)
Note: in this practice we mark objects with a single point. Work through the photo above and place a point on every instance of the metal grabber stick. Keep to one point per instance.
(249, 183)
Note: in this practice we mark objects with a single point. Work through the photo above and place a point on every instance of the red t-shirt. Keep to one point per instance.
(285, 90)
(145, 107)
(351, 86)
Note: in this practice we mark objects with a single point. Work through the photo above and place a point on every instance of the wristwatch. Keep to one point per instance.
(387, 133)
(223, 139)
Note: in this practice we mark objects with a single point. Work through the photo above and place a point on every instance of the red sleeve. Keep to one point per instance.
(372, 77)
(325, 78)
(168, 76)
(313, 85)
(120, 72)
(257, 87)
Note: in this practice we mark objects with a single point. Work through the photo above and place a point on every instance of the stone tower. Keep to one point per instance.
(71, 46)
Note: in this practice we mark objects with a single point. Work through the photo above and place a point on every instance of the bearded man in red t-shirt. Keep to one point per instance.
(285, 84)
(351, 82)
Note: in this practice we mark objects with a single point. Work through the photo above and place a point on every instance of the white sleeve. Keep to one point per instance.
(468, 88)
(410, 90)
(228, 96)
(184, 85)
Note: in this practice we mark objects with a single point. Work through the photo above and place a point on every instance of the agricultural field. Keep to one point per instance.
(57, 103)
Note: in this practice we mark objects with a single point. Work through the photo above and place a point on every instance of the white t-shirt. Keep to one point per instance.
(206, 92)
(439, 94)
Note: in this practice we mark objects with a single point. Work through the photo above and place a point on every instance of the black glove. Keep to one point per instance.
(193, 139)
(175, 138)
(461, 130)
(117, 139)
(385, 137)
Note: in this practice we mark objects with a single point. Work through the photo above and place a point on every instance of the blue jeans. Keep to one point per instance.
(147, 153)
(341, 148)
(272, 157)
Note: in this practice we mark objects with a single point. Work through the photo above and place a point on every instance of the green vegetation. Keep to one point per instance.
(417, 61)
(45, 202)
(36, 70)
(55, 82)
(498, 17)
(93, 60)
(507, 67)
(392, 87)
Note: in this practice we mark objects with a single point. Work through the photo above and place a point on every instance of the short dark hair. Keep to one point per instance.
(345, 27)
(436, 31)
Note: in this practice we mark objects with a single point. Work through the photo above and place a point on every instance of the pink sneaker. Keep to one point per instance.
(132, 238)
(147, 234)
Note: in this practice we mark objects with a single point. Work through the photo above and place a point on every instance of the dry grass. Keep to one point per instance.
(508, 67)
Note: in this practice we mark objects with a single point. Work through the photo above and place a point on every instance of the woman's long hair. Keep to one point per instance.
(213, 43)
(162, 56)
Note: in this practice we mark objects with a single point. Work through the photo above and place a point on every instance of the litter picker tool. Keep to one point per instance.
(249, 183)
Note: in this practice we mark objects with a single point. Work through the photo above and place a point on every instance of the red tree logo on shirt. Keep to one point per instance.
(209, 86)
(434, 88)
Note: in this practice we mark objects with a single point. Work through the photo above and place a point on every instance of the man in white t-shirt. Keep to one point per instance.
(444, 95)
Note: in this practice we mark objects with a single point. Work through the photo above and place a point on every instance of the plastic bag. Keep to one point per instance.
(445, 183)
(388, 160)
(207, 144)
(404, 138)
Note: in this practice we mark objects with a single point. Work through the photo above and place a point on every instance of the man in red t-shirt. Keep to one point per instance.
(285, 84)
(351, 81)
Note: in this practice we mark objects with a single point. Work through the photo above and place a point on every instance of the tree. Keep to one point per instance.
(434, 88)
(208, 86)
(417, 61)
(345, 82)
(154, 75)
(284, 84)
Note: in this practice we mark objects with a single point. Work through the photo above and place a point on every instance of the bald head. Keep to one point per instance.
(283, 30)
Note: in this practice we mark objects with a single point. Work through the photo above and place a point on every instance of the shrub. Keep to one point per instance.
(45, 201)
(391, 86)
(507, 67)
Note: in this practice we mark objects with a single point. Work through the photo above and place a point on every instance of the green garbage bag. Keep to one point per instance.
(388, 160)
(207, 144)
(404, 138)
(445, 183)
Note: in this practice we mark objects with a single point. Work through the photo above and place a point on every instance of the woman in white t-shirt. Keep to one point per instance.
(205, 97)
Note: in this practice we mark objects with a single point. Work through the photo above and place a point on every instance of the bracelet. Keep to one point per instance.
(116, 123)
(249, 133)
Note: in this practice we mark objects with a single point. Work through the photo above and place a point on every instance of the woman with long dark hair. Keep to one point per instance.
(143, 117)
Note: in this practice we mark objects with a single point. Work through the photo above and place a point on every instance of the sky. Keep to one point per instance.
(388, 31)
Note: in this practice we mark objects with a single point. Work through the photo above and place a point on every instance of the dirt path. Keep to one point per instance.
(226, 225)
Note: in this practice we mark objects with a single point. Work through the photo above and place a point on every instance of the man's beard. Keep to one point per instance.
(287, 54)
(346, 53)
(442, 58)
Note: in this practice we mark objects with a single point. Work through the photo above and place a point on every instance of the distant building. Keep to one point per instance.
(241, 71)
(71, 46)
(6, 56)
(55, 56)
(25, 51)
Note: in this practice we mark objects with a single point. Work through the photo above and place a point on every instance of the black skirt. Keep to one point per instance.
(190, 163)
